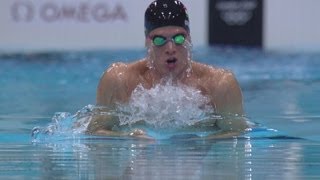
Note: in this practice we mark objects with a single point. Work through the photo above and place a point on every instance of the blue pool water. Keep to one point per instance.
(280, 94)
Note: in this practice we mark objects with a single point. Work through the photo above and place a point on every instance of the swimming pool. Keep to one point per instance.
(280, 92)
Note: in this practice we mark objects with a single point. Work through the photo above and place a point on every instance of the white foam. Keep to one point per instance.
(165, 106)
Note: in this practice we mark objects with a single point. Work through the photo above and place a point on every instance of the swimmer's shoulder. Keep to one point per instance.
(138, 67)
(123, 73)
(208, 71)
(113, 76)
(214, 78)
(116, 83)
(119, 69)
(222, 85)
(115, 68)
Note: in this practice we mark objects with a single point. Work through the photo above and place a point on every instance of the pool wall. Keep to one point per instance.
(42, 25)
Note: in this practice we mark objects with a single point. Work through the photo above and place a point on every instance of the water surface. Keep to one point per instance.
(280, 93)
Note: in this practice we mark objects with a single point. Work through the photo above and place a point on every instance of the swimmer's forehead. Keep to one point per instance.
(168, 31)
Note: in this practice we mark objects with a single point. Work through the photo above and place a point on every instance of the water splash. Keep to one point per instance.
(64, 125)
(188, 45)
(150, 58)
(166, 106)
(163, 109)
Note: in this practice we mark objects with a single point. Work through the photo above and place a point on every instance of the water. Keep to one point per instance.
(50, 91)
(166, 107)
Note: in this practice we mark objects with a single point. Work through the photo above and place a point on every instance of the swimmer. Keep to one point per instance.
(167, 38)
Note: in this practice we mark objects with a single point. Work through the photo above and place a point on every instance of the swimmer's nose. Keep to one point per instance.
(170, 48)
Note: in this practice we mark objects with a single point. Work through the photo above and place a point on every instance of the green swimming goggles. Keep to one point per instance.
(178, 39)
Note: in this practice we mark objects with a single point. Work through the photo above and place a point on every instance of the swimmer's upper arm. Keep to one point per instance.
(111, 90)
(112, 86)
(229, 104)
(229, 98)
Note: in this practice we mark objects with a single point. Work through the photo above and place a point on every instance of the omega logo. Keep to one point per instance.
(86, 12)
(235, 12)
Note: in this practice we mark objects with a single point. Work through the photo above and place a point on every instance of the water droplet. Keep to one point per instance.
(34, 133)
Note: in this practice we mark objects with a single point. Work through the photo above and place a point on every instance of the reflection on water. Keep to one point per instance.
(62, 150)
(107, 158)
(289, 106)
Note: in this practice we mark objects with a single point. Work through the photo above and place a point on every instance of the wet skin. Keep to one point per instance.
(170, 61)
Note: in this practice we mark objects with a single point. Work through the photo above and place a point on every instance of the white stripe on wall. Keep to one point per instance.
(42, 25)
(292, 25)
(35, 25)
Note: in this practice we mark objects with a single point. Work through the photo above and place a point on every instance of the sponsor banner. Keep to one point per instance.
(236, 22)
(83, 24)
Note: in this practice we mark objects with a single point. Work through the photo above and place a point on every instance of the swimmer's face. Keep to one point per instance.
(169, 50)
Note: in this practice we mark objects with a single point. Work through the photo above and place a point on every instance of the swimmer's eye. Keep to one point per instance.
(178, 39)
(159, 40)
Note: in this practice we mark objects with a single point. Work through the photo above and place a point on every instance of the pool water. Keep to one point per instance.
(280, 94)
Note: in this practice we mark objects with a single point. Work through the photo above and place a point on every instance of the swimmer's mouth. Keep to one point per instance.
(172, 60)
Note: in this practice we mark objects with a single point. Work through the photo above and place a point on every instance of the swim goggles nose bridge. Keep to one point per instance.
(178, 39)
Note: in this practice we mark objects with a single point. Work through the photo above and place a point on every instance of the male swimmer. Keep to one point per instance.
(167, 38)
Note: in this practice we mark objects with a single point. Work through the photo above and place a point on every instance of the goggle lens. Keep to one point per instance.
(159, 40)
(178, 39)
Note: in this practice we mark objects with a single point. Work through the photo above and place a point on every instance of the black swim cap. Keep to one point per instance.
(165, 13)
